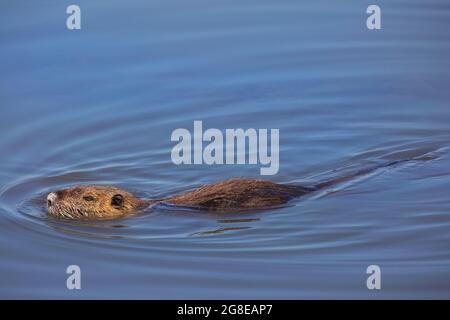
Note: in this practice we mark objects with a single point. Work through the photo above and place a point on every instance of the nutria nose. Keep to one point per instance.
(51, 198)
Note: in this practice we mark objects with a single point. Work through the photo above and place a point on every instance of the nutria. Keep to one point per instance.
(107, 202)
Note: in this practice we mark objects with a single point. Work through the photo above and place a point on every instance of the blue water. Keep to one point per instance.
(98, 106)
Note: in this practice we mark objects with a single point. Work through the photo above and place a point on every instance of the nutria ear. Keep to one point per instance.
(117, 200)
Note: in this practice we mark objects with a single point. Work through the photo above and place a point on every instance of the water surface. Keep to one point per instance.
(98, 106)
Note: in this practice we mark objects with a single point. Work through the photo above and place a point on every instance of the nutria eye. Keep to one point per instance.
(117, 200)
(88, 198)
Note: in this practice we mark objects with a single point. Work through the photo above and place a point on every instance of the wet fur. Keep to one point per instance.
(71, 204)
(239, 194)
(233, 194)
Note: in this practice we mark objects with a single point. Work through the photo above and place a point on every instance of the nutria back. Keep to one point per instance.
(239, 194)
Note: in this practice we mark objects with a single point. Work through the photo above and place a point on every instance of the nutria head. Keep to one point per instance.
(92, 202)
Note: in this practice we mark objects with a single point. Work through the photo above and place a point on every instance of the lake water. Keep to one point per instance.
(98, 106)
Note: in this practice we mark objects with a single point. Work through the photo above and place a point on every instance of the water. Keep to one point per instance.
(99, 105)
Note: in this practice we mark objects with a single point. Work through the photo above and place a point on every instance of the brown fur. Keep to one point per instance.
(233, 194)
(239, 194)
(72, 204)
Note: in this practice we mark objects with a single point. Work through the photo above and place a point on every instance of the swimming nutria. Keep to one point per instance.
(107, 202)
